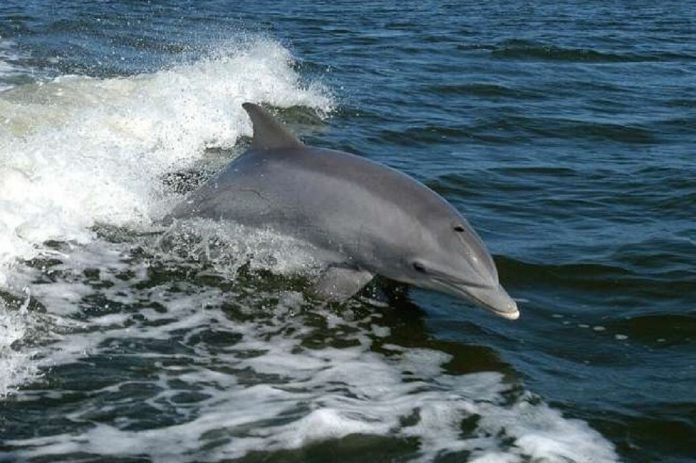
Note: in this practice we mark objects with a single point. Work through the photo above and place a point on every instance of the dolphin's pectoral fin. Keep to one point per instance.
(340, 283)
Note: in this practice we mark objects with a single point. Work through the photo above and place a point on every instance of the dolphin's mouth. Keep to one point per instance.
(509, 315)
(511, 312)
(493, 298)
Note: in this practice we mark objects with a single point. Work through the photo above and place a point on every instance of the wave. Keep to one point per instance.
(507, 129)
(487, 90)
(601, 276)
(565, 128)
(77, 151)
(525, 49)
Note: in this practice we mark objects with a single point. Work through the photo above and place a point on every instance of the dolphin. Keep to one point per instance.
(365, 218)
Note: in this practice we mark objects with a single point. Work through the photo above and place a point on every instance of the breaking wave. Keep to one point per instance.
(79, 151)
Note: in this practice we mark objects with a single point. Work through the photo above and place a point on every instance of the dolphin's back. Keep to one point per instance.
(324, 196)
(280, 178)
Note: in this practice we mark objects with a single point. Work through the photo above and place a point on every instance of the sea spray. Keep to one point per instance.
(78, 151)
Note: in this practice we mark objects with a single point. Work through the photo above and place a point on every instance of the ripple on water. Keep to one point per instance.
(526, 50)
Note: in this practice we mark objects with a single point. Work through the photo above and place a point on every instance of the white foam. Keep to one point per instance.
(79, 151)
(312, 395)
(16, 362)
(227, 246)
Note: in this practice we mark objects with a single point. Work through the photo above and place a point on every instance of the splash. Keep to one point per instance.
(16, 360)
(78, 151)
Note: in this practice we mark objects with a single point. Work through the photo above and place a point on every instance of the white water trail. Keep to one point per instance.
(264, 389)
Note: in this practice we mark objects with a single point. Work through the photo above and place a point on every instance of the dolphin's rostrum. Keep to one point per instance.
(366, 218)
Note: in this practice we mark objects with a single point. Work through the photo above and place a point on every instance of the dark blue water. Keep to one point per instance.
(563, 131)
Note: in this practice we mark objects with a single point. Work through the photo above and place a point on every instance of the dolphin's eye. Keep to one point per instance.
(418, 267)
(458, 228)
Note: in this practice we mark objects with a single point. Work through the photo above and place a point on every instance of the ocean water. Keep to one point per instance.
(564, 131)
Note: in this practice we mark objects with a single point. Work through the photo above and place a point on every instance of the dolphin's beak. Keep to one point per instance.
(495, 299)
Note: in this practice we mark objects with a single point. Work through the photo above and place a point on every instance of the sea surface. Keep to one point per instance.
(564, 131)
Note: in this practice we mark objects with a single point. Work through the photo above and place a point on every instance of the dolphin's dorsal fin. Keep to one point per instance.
(268, 132)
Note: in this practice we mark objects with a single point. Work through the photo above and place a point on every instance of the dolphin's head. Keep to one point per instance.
(450, 257)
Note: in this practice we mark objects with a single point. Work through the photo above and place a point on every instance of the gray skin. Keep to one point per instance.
(365, 218)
